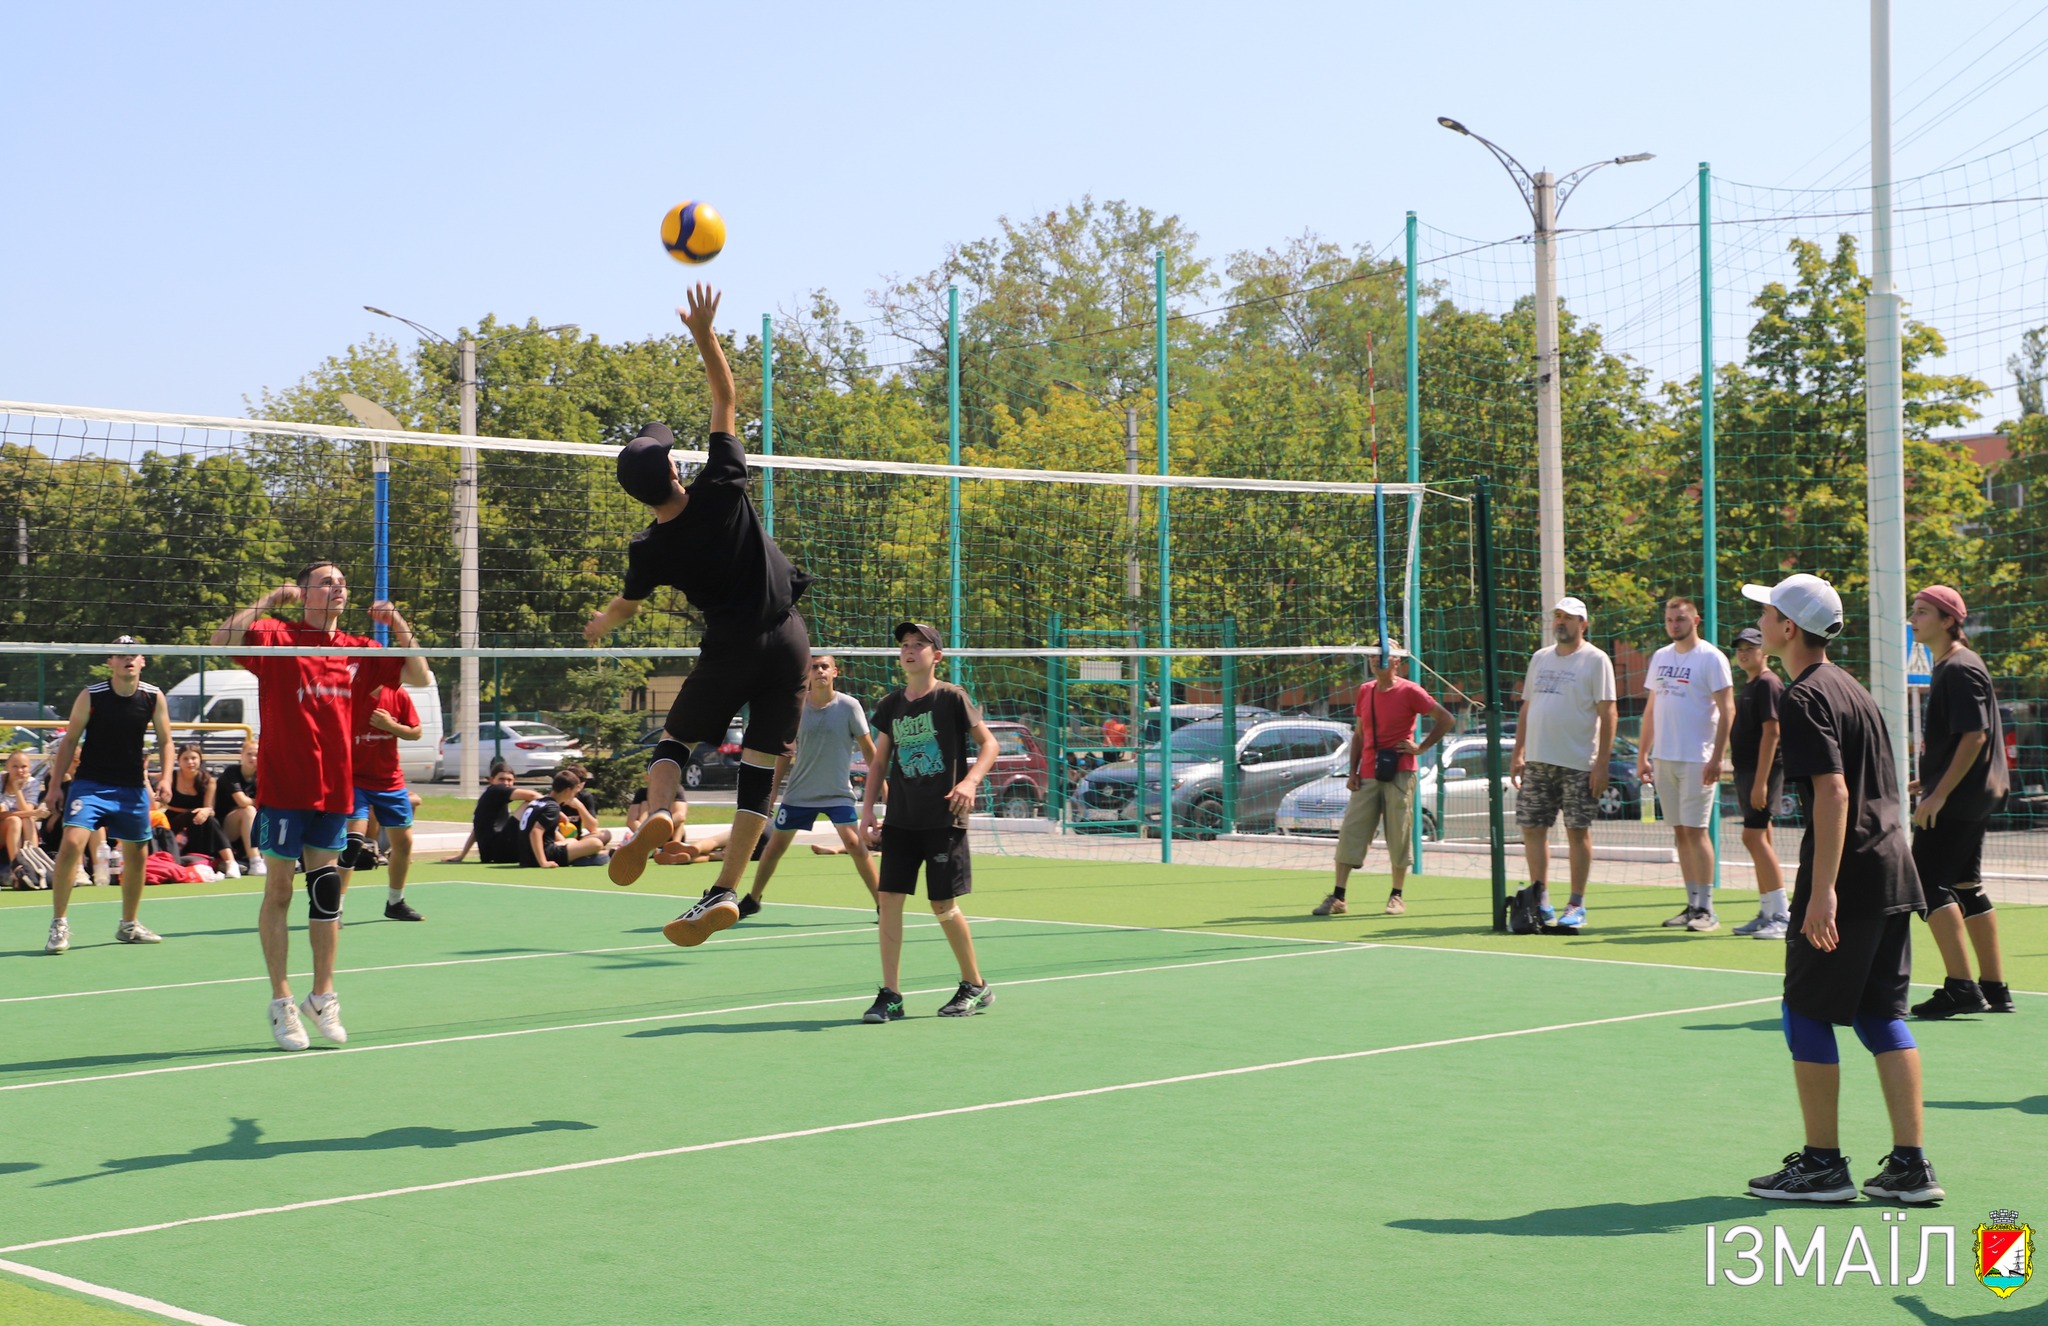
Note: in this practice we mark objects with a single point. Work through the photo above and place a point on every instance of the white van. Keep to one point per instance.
(229, 696)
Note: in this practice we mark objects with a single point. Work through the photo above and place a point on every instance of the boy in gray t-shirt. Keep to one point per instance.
(818, 780)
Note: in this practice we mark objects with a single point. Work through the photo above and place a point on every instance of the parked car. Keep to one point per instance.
(1184, 714)
(711, 764)
(1272, 756)
(1016, 787)
(28, 738)
(526, 747)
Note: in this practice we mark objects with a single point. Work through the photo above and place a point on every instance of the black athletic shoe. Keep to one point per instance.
(1952, 998)
(749, 905)
(888, 1007)
(1998, 995)
(1905, 1181)
(1807, 1180)
(967, 1001)
(1683, 919)
(401, 911)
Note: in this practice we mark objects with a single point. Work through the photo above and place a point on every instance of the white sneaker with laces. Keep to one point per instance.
(325, 1010)
(135, 932)
(285, 1025)
(60, 936)
(1775, 928)
(232, 869)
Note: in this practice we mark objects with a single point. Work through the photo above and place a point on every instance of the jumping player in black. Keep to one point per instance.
(707, 541)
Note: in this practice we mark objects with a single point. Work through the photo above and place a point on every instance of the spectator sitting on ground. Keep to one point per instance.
(21, 810)
(234, 803)
(539, 826)
(191, 813)
(494, 825)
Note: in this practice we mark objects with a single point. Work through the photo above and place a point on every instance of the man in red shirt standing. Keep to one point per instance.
(384, 716)
(308, 786)
(1382, 778)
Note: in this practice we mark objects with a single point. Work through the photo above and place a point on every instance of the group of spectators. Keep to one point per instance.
(515, 825)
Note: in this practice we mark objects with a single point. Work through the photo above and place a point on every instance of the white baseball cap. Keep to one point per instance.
(1573, 607)
(1809, 601)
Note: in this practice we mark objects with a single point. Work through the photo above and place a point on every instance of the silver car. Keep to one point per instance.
(1272, 756)
(1317, 808)
(526, 747)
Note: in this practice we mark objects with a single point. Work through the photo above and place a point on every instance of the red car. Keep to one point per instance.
(1016, 787)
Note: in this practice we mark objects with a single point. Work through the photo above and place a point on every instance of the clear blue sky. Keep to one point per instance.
(201, 197)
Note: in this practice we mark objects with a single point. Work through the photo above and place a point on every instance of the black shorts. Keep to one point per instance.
(1949, 856)
(1745, 779)
(766, 674)
(948, 873)
(1870, 970)
(556, 852)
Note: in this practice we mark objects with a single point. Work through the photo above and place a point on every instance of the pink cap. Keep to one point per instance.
(1947, 600)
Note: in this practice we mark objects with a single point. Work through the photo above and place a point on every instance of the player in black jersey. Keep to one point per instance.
(708, 541)
(111, 788)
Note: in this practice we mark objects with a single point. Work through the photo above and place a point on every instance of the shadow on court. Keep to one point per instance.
(1761, 1024)
(729, 1028)
(1607, 1219)
(121, 1060)
(245, 1142)
(18, 1166)
(2030, 1105)
(1923, 1313)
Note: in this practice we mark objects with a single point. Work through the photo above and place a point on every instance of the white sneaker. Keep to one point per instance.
(325, 1010)
(135, 932)
(285, 1025)
(1775, 928)
(233, 868)
(60, 937)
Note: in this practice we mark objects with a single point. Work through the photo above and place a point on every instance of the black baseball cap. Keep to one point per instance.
(926, 633)
(646, 469)
(1748, 635)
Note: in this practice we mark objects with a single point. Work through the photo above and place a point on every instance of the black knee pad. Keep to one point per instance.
(356, 854)
(1973, 900)
(323, 893)
(675, 752)
(756, 789)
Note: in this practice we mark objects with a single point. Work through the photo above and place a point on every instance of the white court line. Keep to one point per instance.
(824, 1129)
(121, 1296)
(446, 962)
(280, 1057)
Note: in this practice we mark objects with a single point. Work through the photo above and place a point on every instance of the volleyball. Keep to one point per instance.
(693, 232)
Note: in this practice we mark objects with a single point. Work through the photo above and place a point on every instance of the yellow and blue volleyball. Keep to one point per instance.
(693, 232)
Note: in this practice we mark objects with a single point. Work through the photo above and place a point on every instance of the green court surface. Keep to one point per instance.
(1189, 1103)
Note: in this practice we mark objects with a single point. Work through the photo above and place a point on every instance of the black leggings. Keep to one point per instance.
(202, 839)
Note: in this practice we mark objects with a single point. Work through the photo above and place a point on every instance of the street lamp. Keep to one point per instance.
(1545, 194)
(468, 716)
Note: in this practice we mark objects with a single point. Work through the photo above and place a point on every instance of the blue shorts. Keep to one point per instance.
(122, 811)
(790, 818)
(394, 809)
(284, 834)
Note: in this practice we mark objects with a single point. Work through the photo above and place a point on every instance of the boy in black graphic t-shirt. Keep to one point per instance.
(1849, 956)
(1962, 777)
(708, 541)
(922, 734)
(1759, 780)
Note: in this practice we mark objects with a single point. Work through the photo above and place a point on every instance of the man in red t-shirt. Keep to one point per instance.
(308, 786)
(1387, 707)
(384, 716)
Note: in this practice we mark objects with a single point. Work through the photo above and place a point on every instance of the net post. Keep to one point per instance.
(1056, 725)
(768, 422)
(1411, 408)
(1490, 693)
(1229, 724)
(381, 532)
(1710, 598)
(1165, 570)
(953, 483)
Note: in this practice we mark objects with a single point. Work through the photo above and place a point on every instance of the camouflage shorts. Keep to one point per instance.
(1548, 787)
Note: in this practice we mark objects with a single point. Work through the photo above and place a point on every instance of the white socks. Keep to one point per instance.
(1700, 897)
(1772, 904)
(392, 897)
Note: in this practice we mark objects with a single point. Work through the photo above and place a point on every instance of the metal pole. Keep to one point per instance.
(1549, 428)
(1412, 408)
(1884, 419)
(1710, 556)
(1490, 696)
(1134, 585)
(1165, 570)
(467, 717)
(768, 422)
(953, 483)
(380, 465)
(1229, 725)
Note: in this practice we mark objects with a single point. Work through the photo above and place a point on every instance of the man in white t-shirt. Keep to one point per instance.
(1687, 713)
(1563, 739)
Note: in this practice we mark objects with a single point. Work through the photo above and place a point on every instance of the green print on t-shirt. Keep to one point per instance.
(917, 747)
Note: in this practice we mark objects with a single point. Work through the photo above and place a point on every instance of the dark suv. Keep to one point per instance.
(1272, 757)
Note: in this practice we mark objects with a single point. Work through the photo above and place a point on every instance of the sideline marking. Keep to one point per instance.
(822, 1130)
(121, 1296)
(281, 1057)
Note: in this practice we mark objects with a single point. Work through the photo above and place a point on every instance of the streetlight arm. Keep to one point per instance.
(1515, 169)
(424, 331)
(1567, 183)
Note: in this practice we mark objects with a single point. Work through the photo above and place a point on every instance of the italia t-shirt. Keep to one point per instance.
(307, 704)
(717, 552)
(1685, 682)
(1960, 701)
(929, 753)
(376, 751)
(1828, 724)
(1755, 705)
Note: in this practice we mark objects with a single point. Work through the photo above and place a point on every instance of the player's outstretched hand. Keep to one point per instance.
(701, 308)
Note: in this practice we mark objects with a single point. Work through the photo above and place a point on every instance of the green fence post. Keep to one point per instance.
(1229, 724)
(1165, 570)
(953, 482)
(1056, 723)
(1413, 628)
(1490, 693)
(768, 423)
(1710, 601)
